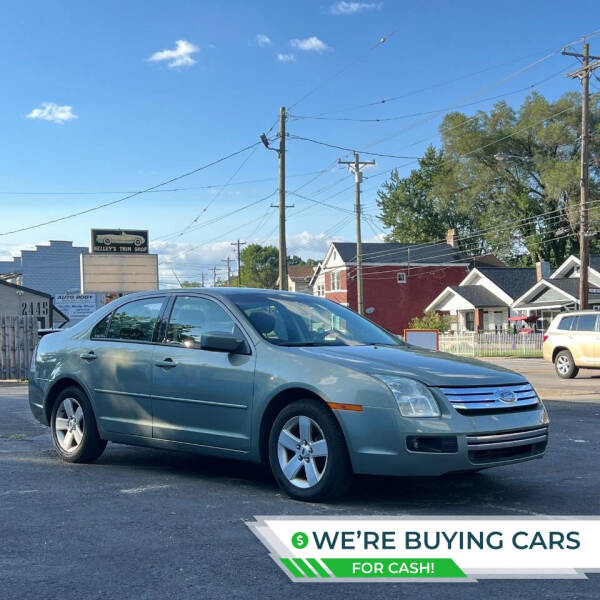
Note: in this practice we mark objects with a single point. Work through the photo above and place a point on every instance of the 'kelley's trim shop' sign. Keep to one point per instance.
(129, 241)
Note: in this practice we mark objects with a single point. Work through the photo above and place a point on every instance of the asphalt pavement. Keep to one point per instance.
(149, 524)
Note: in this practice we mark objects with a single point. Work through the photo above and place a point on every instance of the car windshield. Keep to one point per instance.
(301, 320)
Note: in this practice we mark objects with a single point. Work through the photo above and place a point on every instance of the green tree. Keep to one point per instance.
(508, 178)
(260, 265)
(297, 260)
(423, 206)
(190, 284)
(431, 320)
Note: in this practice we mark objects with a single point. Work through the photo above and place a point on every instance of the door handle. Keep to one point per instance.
(88, 355)
(167, 363)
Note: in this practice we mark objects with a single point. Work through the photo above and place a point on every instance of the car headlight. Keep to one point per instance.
(414, 399)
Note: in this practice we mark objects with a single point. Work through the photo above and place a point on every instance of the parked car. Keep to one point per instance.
(119, 238)
(292, 380)
(572, 341)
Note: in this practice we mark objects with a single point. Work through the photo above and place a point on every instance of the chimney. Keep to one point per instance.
(542, 270)
(451, 237)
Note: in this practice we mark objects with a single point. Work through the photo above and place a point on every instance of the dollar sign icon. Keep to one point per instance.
(300, 540)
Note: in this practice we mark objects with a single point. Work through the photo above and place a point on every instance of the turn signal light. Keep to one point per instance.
(545, 337)
(341, 406)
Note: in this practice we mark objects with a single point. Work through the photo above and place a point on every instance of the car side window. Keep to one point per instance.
(586, 322)
(566, 323)
(99, 330)
(135, 320)
(192, 316)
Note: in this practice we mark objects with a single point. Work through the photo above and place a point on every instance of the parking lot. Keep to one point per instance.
(143, 523)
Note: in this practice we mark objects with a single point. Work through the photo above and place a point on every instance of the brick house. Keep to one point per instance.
(399, 280)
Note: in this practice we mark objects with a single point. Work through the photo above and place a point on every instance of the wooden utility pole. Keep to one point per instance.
(355, 166)
(202, 278)
(283, 280)
(583, 74)
(214, 271)
(228, 261)
(239, 245)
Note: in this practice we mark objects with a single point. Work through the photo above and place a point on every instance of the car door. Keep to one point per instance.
(201, 396)
(585, 339)
(117, 366)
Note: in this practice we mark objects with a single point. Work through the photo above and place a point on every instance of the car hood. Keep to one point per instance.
(430, 367)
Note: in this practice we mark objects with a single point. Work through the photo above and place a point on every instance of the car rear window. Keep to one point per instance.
(566, 323)
(586, 323)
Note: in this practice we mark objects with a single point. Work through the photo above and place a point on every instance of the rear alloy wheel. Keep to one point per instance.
(74, 431)
(307, 452)
(565, 365)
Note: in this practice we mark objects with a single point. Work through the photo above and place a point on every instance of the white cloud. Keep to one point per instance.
(49, 111)
(310, 44)
(286, 57)
(352, 8)
(263, 40)
(180, 57)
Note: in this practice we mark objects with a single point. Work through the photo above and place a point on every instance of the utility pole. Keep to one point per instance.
(583, 74)
(282, 240)
(355, 167)
(214, 270)
(228, 261)
(239, 259)
(202, 279)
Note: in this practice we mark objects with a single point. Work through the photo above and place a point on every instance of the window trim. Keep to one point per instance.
(116, 308)
(404, 277)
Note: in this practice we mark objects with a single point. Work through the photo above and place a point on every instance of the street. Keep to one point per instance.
(143, 523)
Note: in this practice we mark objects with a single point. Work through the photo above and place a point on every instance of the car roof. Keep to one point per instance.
(229, 292)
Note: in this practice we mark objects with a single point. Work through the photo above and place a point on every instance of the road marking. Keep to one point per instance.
(144, 488)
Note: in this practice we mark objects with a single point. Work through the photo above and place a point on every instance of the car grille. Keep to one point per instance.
(474, 400)
(491, 447)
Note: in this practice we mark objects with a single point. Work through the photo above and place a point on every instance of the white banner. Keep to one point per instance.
(76, 306)
(457, 548)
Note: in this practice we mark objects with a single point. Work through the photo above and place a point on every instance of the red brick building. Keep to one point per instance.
(399, 280)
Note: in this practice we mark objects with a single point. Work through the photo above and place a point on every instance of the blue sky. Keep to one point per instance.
(134, 122)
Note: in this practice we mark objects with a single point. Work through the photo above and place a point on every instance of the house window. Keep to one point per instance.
(470, 321)
(334, 255)
(335, 281)
(401, 277)
(320, 289)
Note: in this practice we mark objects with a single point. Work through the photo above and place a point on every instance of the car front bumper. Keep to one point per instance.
(381, 442)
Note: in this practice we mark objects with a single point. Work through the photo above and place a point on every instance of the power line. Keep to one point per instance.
(149, 189)
(297, 137)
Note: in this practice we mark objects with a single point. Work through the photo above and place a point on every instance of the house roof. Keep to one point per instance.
(514, 281)
(487, 260)
(300, 272)
(477, 295)
(395, 253)
(570, 285)
(24, 289)
(595, 261)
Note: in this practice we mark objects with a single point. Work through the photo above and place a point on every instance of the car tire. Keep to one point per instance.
(565, 365)
(307, 452)
(74, 430)
(107, 241)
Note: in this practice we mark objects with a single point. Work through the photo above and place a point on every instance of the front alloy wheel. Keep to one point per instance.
(302, 451)
(307, 452)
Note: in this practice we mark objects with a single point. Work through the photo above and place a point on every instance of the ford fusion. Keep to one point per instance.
(291, 380)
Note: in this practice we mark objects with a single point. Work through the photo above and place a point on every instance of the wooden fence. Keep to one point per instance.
(18, 337)
(493, 344)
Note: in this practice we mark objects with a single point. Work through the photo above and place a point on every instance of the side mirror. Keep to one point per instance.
(220, 342)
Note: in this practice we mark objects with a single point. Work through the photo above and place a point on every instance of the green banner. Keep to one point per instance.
(369, 568)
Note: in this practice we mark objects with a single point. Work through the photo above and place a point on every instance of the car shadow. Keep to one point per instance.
(463, 493)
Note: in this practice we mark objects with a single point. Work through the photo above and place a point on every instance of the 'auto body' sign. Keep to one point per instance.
(76, 306)
(127, 241)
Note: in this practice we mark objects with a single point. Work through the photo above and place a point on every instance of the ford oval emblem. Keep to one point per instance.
(507, 396)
